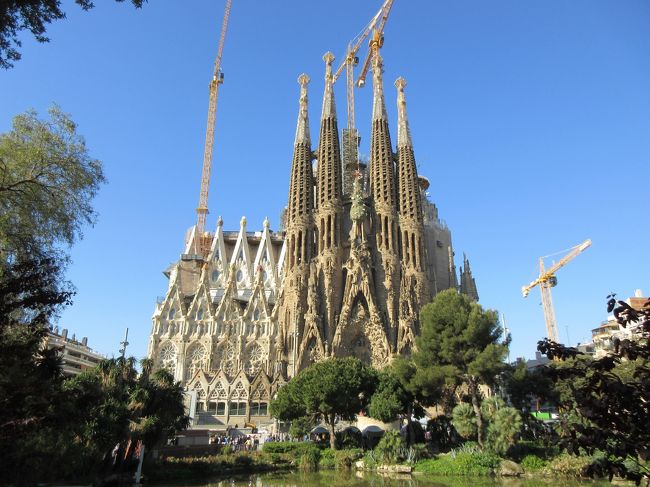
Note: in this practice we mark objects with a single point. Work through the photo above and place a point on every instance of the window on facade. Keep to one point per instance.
(212, 407)
(199, 314)
(171, 314)
(215, 276)
(200, 406)
(240, 276)
(238, 409)
(256, 314)
(259, 409)
(221, 409)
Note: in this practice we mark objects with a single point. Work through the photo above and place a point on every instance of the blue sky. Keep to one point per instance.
(530, 118)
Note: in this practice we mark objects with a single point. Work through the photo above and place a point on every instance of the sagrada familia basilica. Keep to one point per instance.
(346, 275)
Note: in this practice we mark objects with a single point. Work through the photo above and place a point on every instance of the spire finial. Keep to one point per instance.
(378, 105)
(220, 221)
(329, 108)
(403, 131)
(242, 222)
(267, 224)
(302, 130)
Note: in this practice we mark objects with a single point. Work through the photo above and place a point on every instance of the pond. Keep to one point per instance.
(335, 478)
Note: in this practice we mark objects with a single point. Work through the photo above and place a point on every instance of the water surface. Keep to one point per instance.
(334, 478)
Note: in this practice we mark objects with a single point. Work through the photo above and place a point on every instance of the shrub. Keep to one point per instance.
(390, 447)
(327, 458)
(309, 458)
(464, 420)
(417, 452)
(532, 463)
(227, 450)
(567, 465)
(473, 464)
(504, 427)
(280, 446)
(345, 458)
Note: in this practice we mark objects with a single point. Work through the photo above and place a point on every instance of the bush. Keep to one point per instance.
(327, 458)
(464, 420)
(473, 464)
(503, 430)
(390, 447)
(280, 446)
(532, 463)
(345, 458)
(227, 450)
(309, 458)
(567, 465)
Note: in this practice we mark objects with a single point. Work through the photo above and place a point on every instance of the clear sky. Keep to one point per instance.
(530, 118)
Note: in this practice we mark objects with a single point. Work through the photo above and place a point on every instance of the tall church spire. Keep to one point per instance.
(467, 282)
(410, 203)
(329, 153)
(301, 199)
(382, 177)
(414, 289)
(384, 201)
(329, 212)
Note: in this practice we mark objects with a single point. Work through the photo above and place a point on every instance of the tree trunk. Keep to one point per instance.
(476, 405)
(409, 425)
(330, 422)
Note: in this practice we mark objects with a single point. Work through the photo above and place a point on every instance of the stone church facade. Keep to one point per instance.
(346, 276)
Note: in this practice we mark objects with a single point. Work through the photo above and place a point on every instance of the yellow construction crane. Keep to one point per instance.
(351, 60)
(376, 42)
(546, 281)
(202, 240)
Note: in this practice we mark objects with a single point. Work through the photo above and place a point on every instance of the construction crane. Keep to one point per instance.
(202, 240)
(350, 136)
(351, 60)
(546, 281)
(376, 42)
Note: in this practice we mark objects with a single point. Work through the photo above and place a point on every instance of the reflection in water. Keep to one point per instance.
(338, 478)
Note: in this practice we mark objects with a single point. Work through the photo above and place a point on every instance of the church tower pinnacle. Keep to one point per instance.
(299, 238)
(414, 286)
(384, 199)
(329, 213)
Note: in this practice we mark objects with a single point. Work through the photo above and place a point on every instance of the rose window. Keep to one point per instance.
(167, 357)
(227, 356)
(255, 360)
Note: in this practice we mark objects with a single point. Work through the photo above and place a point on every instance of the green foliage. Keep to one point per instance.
(346, 458)
(464, 420)
(390, 399)
(523, 385)
(227, 450)
(469, 464)
(309, 458)
(331, 389)
(34, 16)
(460, 343)
(301, 426)
(503, 429)
(533, 463)
(47, 184)
(566, 465)
(607, 398)
(327, 458)
(390, 448)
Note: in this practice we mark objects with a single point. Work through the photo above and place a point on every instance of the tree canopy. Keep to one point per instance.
(338, 388)
(33, 16)
(607, 400)
(47, 183)
(460, 344)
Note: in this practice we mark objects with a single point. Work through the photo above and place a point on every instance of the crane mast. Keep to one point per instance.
(350, 135)
(546, 281)
(202, 241)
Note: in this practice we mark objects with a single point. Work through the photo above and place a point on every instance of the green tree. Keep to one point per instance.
(34, 16)
(460, 344)
(47, 184)
(606, 401)
(394, 396)
(334, 389)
